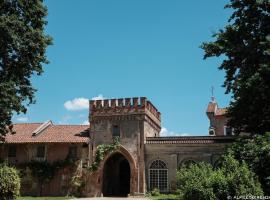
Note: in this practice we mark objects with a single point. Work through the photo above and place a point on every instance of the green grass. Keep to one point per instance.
(43, 198)
(165, 197)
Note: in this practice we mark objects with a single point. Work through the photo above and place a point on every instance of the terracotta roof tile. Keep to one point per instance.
(52, 134)
(213, 108)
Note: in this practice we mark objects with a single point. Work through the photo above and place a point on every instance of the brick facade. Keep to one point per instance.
(138, 123)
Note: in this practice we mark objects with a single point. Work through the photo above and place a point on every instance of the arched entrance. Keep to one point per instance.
(116, 176)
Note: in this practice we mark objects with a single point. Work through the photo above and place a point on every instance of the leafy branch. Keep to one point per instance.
(102, 151)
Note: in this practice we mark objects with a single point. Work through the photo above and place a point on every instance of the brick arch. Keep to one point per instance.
(157, 158)
(132, 164)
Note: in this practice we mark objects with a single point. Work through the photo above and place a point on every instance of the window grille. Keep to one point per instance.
(158, 176)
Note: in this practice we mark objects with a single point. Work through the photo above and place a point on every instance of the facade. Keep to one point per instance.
(144, 160)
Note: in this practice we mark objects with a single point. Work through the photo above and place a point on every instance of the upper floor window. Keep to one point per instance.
(12, 151)
(228, 130)
(40, 151)
(72, 152)
(212, 131)
(116, 131)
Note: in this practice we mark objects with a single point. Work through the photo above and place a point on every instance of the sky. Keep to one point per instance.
(124, 48)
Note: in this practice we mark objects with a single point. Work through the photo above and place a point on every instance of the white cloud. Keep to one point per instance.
(22, 119)
(77, 104)
(165, 132)
(98, 97)
(86, 122)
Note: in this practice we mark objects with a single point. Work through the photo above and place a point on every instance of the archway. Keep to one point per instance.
(116, 176)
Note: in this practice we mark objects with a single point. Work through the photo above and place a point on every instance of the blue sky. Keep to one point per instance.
(129, 48)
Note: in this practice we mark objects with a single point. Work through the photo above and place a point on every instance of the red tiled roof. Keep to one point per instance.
(213, 108)
(51, 134)
(189, 140)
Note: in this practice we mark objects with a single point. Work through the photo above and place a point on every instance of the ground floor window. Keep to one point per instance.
(158, 176)
(40, 151)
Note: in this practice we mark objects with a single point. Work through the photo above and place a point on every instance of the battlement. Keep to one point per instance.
(134, 105)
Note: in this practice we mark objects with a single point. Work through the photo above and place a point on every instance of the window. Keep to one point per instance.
(116, 131)
(158, 176)
(40, 151)
(228, 130)
(72, 152)
(12, 150)
(211, 131)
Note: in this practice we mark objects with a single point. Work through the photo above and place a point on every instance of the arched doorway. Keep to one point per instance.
(116, 176)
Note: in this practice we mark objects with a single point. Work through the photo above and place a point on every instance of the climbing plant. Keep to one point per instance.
(102, 151)
(44, 171)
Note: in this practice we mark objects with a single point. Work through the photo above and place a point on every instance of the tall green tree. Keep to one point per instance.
(232, 178)
(255, 152)
(23, 44)
(245, 45)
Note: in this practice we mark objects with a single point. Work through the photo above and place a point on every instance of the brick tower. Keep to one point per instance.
(132, 120)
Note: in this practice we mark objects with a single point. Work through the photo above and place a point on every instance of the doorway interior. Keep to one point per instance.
(116, 176)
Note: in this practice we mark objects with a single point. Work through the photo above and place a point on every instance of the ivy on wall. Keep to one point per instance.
(44, 171)
(102, 151)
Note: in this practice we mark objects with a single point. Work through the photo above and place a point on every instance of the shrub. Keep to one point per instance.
(155, 192)
(10, 182)
(202, 182)
(255, 152)
(194, 181)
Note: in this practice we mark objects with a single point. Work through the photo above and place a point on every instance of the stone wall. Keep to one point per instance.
(174, 155)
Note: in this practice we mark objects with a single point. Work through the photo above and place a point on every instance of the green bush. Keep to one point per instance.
(10, 182)
(202, 182)
(255, 152)
(155, 192)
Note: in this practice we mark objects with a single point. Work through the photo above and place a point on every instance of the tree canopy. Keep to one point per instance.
(255, 152)
(245, 44)
(23, 44)
(232, 178)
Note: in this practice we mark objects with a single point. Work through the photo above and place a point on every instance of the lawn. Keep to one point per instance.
(165, 197)
(44, 198)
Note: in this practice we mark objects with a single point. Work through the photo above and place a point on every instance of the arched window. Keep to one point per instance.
(158, 176)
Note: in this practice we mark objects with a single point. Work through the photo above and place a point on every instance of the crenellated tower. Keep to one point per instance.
(132, 120)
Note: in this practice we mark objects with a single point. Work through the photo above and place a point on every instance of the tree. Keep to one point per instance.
(255, 152)
(201, 181)
(245, 44)
(23, 46)
(10, 182)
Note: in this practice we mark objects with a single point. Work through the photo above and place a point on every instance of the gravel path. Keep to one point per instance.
(113, 198)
